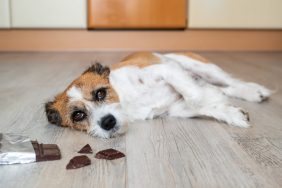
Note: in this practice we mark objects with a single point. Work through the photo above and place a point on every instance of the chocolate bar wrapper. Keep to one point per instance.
(16, 148)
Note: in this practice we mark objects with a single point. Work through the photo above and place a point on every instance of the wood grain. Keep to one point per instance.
(124, 14)
(159, 153)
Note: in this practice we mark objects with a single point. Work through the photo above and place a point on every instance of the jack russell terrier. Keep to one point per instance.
(102, 101)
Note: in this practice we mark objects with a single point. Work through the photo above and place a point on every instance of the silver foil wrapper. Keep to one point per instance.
(16, 148)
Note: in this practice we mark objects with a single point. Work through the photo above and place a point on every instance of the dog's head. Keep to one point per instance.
(89, 103)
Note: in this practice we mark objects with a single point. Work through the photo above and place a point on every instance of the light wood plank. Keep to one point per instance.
(159, 153)
(194, 153)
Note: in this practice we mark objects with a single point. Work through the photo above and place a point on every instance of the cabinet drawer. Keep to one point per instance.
(138, 14)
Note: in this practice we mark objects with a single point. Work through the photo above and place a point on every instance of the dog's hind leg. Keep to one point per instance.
(194, 93)
(213, 74)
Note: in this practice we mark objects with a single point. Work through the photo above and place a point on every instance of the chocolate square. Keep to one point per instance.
(86, 149)
(78, 162)
(46, 152)
(109, 154)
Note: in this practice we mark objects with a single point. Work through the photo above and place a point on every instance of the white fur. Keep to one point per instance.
(98, 112)
(215, 75)
(75, 93)
(183, 87)
(179, 86)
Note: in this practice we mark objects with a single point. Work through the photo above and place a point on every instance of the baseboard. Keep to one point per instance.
(84, 40)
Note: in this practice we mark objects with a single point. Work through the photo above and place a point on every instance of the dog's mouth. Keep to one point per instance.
(112, 133)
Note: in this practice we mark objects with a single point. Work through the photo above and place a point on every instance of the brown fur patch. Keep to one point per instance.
(87, 83)
(59, 104)
(140, 59)
(195, 56)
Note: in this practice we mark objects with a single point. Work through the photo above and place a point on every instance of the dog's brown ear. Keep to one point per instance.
(52, 114)
(97, 68)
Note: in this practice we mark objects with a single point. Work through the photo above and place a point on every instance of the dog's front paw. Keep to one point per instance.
(238, 117)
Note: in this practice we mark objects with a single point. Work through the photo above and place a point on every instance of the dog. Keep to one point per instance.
(102, 101)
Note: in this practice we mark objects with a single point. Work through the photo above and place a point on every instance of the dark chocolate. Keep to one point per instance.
(46, 152)
(86, 149)
(109, 154)
(78, 162)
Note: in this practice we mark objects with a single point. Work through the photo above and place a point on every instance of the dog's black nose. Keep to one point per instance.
(108, 122)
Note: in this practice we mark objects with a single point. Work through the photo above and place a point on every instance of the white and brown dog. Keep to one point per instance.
(144, 86)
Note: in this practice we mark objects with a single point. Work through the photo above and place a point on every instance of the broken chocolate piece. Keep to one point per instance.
(78, 162)
(86, 149)
(109, 154)
(46, 152)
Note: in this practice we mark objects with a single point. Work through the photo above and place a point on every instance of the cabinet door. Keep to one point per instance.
(235, 14)
(136, 14)
(4, 14)
(48, 13)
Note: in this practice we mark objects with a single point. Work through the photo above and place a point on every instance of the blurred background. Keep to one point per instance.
(71, 25)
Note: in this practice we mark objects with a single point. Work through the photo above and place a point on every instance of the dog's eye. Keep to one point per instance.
(100, 94)
(78, 116)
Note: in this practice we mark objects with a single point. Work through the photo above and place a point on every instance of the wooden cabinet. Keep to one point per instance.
(138, 14)
(250, 14)
(48, 13)
(4, 14)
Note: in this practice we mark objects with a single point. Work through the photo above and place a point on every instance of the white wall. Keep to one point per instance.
(235, 13)
(201, 14)
(4, 14)
(48, 13)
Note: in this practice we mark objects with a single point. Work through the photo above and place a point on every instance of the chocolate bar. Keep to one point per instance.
(78, 162)
(109, 154)
(86, 149)
(46, 152)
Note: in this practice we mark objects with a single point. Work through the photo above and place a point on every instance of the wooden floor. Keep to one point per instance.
(159, 153)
